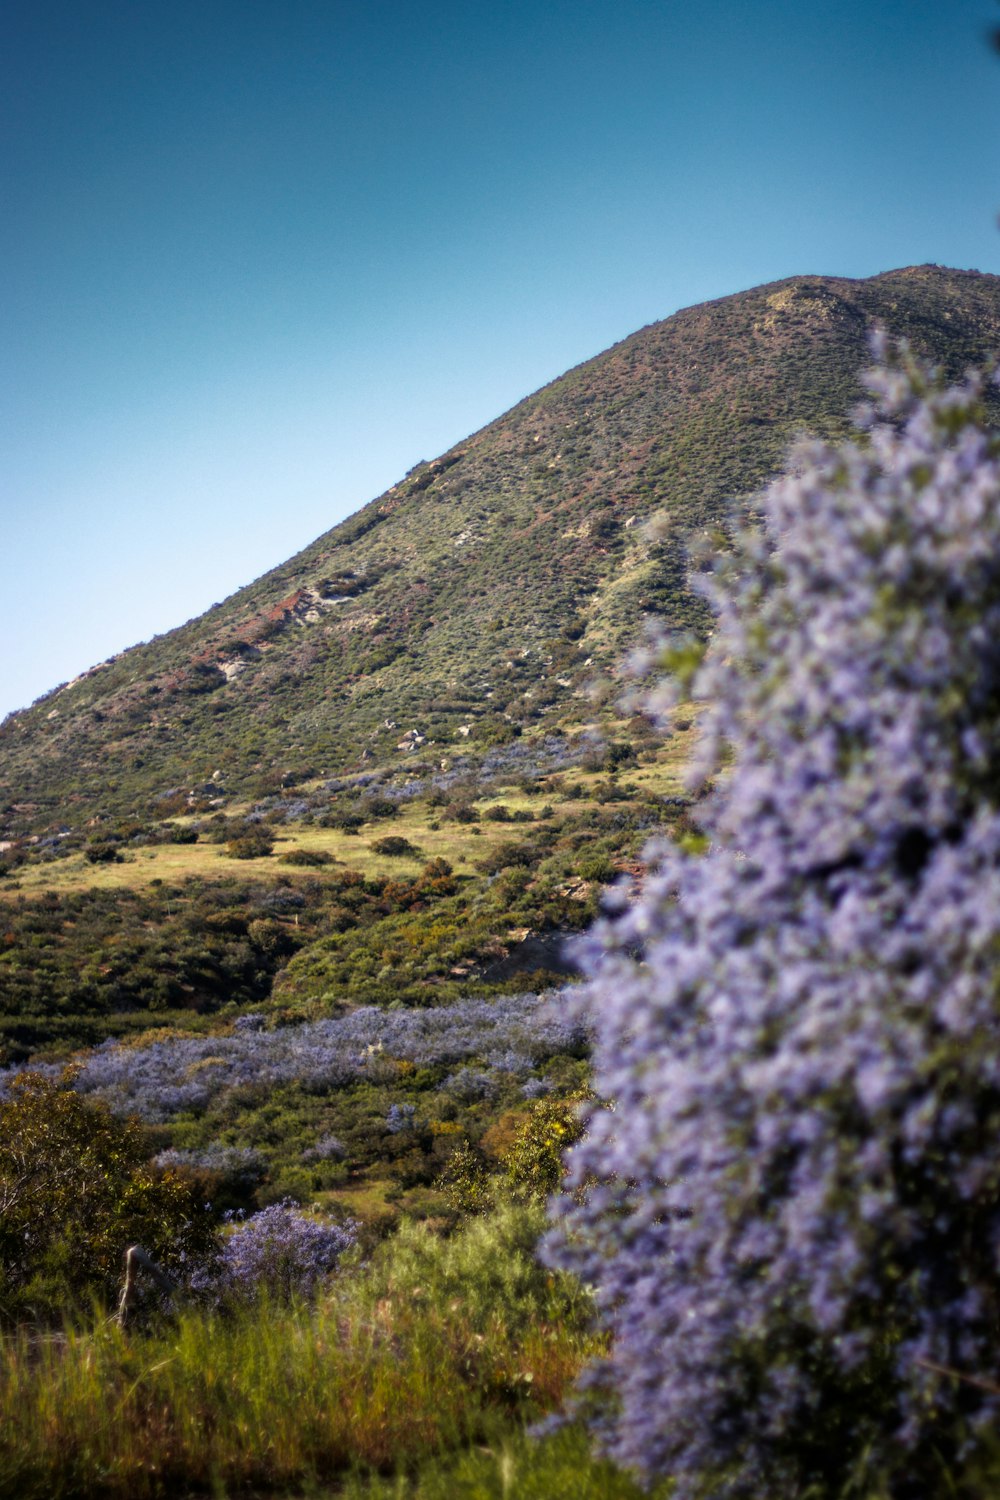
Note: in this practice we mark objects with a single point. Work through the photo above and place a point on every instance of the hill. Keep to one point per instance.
(291, 886)
(476, 598)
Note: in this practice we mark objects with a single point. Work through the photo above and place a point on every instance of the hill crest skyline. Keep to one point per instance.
(484, 588)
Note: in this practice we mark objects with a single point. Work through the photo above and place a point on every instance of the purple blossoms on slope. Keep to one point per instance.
(187, 1074)
(791, 1216)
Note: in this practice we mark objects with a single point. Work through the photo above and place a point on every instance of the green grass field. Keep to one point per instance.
(463, 845)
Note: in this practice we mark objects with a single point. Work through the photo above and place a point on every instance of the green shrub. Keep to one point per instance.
(179, 833)
(308, 857)
(102, 852)
(530, 1150)
(347, 822)
(596, 866)
(506, 855)
(533, 1166)
(375, 807)
(254, 844)
(461, 812)
(488, 1269)
(394, 845)
(76, 1191)
(466, 1181)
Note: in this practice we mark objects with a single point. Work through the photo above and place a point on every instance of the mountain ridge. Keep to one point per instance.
(476, 597)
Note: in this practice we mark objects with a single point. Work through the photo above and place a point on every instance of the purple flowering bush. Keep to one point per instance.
(176, 1075)
(327, 1148)
(791, 1213)
(279, 1253)
(401, 1119)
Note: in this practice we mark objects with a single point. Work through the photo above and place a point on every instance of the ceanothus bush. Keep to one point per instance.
(176, 1074)
(279, 1252)
(790, 1211)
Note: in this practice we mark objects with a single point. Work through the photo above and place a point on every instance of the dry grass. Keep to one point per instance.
(461, 844)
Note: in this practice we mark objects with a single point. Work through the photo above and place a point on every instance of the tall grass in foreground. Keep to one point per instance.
(439, 1345)
(514, 1466)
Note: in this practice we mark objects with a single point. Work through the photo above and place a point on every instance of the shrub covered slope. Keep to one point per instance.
(486, 585)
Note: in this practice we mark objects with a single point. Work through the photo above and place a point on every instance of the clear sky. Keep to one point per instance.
(258, 257)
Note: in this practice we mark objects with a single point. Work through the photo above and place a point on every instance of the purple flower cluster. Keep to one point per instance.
(531, 758)
(174, 1075)
(791, 1214)
(469, 1084)
(238, 1163)
(327, 1148)
(280, 1252)
(401, 1119)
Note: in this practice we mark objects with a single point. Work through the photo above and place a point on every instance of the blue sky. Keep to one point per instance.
(259, 258)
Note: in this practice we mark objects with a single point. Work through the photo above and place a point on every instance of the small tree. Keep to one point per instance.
(75, 1191)
(792, 1212)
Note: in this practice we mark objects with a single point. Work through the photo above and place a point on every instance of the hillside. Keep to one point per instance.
(480, 593)
(292, 885)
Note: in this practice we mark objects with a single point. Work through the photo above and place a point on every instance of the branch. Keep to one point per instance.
(136, 1259)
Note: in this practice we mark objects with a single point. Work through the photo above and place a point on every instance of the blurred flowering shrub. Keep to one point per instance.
(791, 1214)
(280, 1253)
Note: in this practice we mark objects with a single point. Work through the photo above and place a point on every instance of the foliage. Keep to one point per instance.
(394, 845)
(531, 1162)
(99, 852)
(277, 1254)
(170, 1075)
(76, 965)
(75, 1191)
(308, 857)
(792, 1213)
(227, 1177)
(438, 1345)
(533, 1166)
(488, 1269)
(556, 1466)
(466, 1181)
(255, 843)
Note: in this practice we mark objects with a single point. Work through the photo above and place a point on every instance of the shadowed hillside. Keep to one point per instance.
(480, 593)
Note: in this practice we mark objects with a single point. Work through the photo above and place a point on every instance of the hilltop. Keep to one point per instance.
(477, 598)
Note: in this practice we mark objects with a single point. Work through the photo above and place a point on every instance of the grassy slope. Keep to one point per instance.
(491, 582)
(436, 1345)
(461, 844)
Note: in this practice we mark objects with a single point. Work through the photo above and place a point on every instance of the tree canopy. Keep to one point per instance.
(76, 1189)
